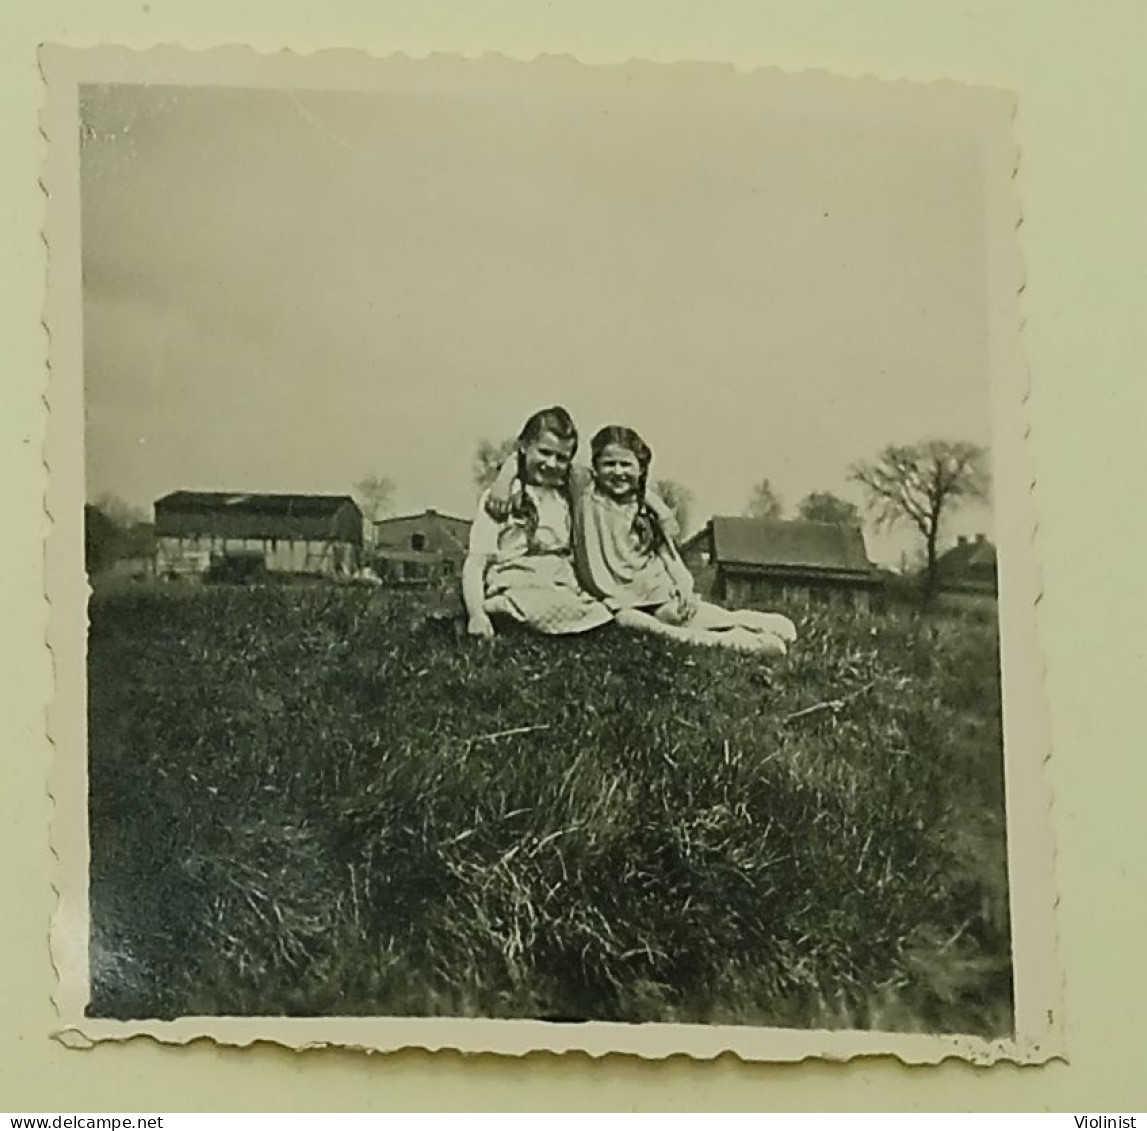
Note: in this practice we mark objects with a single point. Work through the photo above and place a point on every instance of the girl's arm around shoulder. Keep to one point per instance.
(499, 498)
(581, 481)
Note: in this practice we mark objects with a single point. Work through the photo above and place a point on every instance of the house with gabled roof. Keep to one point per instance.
(743, 562)
(420, 549)
(968, 567)
(243, 534)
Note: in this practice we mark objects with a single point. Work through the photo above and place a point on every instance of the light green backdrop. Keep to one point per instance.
(1082, 87)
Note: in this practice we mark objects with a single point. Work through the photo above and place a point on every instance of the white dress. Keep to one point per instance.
(530, 577)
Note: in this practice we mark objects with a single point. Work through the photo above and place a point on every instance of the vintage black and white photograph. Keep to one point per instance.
(546, 541)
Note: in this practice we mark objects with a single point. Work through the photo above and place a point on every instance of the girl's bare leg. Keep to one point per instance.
(776, 624)
(733, 636)
(713, 618)
(741, 639)
(641, 621)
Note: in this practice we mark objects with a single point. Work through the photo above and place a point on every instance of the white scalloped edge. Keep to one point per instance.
(508, 1038)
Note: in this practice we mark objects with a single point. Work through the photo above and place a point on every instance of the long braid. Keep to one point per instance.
(646, 525)
(523, 506)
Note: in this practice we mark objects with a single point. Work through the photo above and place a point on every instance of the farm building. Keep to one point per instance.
(134, 552)
(749, 561)
(115, 549)
(241, 535)
(420, 549)
(968, 567)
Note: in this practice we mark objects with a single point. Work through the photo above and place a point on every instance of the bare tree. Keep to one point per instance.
(918, 484)
(764, 502)
(824, 506)
(678, 498)
(488, 459)
(375, 493)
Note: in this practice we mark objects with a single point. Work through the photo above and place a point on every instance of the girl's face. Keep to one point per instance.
(547, 460)
(617, 471)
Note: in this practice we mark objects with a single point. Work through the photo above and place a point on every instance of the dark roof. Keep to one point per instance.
(793, 544)
(233, 502)
(429, 513)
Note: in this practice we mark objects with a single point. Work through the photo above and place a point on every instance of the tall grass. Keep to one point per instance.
(312, 801)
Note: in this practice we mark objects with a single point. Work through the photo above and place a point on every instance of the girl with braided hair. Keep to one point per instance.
(625, 555)
(520, 566)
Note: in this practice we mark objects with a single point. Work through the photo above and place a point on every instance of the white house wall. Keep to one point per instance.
(193, 555)
(181, 556)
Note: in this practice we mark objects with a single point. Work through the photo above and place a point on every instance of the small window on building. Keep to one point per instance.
(418, 541)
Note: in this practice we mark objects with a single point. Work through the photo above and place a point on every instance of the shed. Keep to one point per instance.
(197, 532)
(750, 561)
(420, 549)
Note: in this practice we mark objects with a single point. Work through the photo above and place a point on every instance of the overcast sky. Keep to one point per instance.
(289, 291)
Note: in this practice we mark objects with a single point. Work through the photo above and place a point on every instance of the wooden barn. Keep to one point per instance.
(420, 549)
(746, 562)
(239, 536)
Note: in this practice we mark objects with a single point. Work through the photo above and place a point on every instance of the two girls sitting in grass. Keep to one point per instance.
(561, 548)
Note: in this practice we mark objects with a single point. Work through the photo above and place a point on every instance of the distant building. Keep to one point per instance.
(135, 552)
(240, 535)
(969, 567)
(112, 549)
(420, 549)
(742, 562)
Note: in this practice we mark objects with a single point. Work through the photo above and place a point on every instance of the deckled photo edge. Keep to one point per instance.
(65, 581)
(1038, 980)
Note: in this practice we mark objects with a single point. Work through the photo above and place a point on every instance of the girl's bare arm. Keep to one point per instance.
(682, 581)
(679, 572)
(474, 595)
(664, 512)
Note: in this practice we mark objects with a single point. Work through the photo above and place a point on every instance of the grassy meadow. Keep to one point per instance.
(315, 800)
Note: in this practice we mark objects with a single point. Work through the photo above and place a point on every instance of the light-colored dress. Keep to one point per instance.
(613, 561)
(530, 577)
